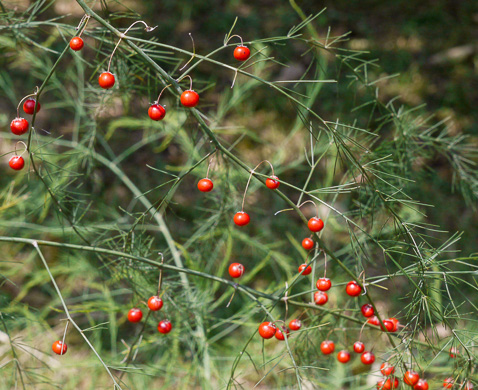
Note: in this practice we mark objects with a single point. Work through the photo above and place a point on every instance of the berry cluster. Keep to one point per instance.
(135, 315)
(189, 98)
(155, 303)
(268, 329)
(20, 126)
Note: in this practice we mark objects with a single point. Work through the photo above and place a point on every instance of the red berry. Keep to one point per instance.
(29, 106)
(315, 224)
(367, 310)
(367, 357)
(391, 384)
(422, 384)
(135, 315)
(374, 321)
(59, 348)
(295, 324)
(448, 383)
(353, 289)
(156, 112)
(380, 384)
(411, 378)
(106, 80)
(189, 98)
(241, 218)
(280, 334)
(19, 126)
(236, 270)
(320, 298)
(327, 347)
(242, 53)
(164, 326)
(323, 284)
(389, 325)
(272, 182)
(267, 330)
(454, 352)
(205, 185)
(155, 303)
(387, 369)
(76, 43)
(307, 270)
(395, 324)
(343, 357)
(307, 244)
(16, 162)
(359, 347)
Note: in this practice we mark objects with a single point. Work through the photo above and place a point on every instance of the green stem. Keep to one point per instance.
(30, 152)
(130, 352)
(37, 248)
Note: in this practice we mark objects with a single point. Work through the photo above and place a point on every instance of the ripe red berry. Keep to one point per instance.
(454, 352)
(242, 53)
(189, 98)
(391, 384)
(156, 112)
(448, 383)
(374, 321)
(236, 270)
(367, 310)
(307, 244)
(422, 384)
(16, 162)
(315, 224)
(295, 324)
(135, 315)
(106, 80)
(389, 325)
(155, 303)
(307, 270)
(321, 298)
(353, 289)
(272, 182)
(267, 330)
(327, 347)
(241, 218)
(367, 357)
(411, 378)
(359, 347)
(343, 356)
(387, 369)
(395, 324)
(19, 126)
(29, 106)
(76, 43)
(205, 185)
(280, 333)
(164, 326)
(323, 284)
(59, 348)
(380, 384)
